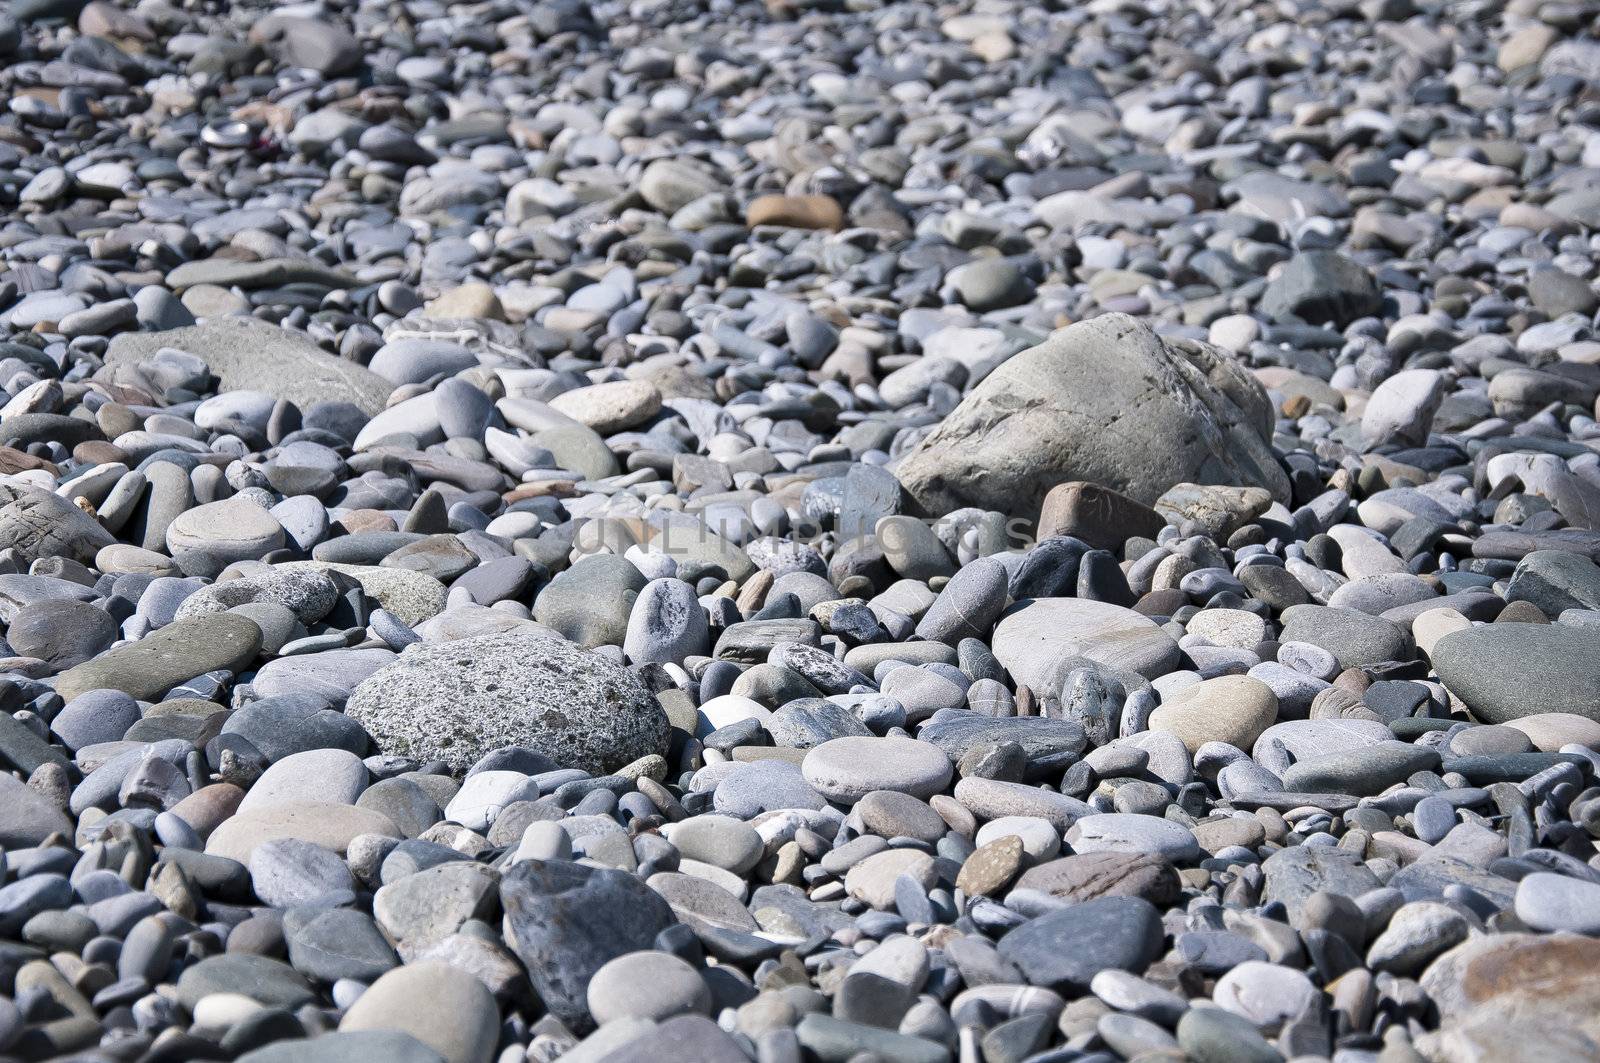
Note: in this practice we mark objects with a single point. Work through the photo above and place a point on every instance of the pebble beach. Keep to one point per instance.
(717, 531)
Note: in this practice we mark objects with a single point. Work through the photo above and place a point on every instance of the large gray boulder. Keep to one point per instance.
(456, 701)
(250, 355)
(1294, 874)
(1105, 400)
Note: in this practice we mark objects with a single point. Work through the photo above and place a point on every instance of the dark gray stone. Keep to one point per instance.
(333, 943)
(1508, 671)
(1065, 949)
(566, 920)
(1322, 286)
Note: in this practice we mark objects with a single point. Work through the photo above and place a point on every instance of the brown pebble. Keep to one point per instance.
(13, 461)
(991, 867)
(1521, 613)
(367, 520)
(99, 452)
(208, 806)
(795, 212)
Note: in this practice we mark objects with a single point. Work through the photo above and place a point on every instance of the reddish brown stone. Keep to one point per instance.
(13, 461)
(1101, 517)
(207, 807)
(367, 520)
(98, 451)
(541, 489)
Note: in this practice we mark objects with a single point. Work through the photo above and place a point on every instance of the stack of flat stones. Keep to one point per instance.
(805, 532)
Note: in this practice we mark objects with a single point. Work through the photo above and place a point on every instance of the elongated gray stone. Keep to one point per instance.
(161, 660)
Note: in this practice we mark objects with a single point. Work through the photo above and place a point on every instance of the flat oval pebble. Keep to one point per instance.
(647, 985)
(332, 826)
(1031, 639)
(1231, 709)
(1117, 832)
(445, 1008)
(847, 769)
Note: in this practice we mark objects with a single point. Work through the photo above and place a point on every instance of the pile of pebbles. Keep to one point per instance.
(660, 531)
